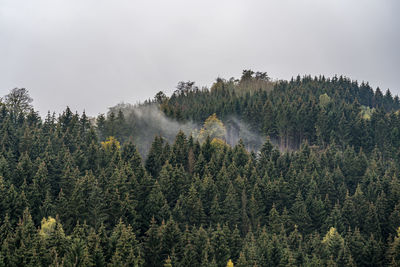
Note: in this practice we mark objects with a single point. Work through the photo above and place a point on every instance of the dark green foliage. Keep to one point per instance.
(323, 190)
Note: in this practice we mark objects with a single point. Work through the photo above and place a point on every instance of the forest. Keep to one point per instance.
(249, 172)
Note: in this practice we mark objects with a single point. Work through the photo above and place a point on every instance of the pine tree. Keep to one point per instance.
(170, 238)
(207, 192)
(157, 206)
(131, 155)
(77, 254)
(235, 242)
(7, 243)
(245, 222)
(26, 241)
(220, 246)
(274, 220)
(155, 160)
(152, 245)
(96, 256)
(300, 214)
(180, 151)
(335, 219)
(373, 253)
(356, 244)
(334, 245)
(193, 208)
(125, 247)
(242, 262)
(189, 255)
(231, 206)
(250, 250)
(393, 254)
(201, 243)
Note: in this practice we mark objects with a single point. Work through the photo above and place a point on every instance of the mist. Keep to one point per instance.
(146, 121)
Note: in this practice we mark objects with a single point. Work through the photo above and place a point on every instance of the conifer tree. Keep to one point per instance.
(125, 247)
(152, 245)
(26, 241)
(220, 246)
(231, 206)
(300, 214)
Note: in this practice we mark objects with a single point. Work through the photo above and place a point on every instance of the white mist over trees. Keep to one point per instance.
(142, 122)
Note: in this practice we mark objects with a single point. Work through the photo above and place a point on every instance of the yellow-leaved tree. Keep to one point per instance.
(214, 128)
(229, 264)
(111, 144)
(168, 262)
(366, 112)
(47, 227)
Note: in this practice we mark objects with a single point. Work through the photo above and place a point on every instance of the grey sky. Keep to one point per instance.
(93, 54)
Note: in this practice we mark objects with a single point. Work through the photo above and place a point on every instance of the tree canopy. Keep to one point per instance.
(322, 189)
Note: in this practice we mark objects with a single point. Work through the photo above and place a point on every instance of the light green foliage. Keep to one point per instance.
(47, 227)
(111, 144)
(324, 100)
(214, 128)
(218, 144)
(366, 112)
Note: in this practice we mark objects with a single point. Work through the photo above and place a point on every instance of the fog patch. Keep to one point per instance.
(239, 130)
(145, 121)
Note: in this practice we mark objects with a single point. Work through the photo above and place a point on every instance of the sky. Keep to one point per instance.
(93, 54)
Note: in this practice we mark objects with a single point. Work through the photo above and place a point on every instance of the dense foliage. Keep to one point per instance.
(78, 194)
(317, 110)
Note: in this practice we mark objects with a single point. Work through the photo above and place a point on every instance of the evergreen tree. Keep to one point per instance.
(125, 247)
(220, 246)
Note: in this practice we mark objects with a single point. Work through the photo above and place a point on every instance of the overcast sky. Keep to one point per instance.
(93, 54)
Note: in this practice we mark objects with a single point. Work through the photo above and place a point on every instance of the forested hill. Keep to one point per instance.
(322, 190)
(316, 110)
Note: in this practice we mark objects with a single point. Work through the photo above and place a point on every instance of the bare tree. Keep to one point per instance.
(185, 87)
(18, 101)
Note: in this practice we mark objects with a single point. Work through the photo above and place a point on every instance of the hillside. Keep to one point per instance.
(253, 171)
(316, 110)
